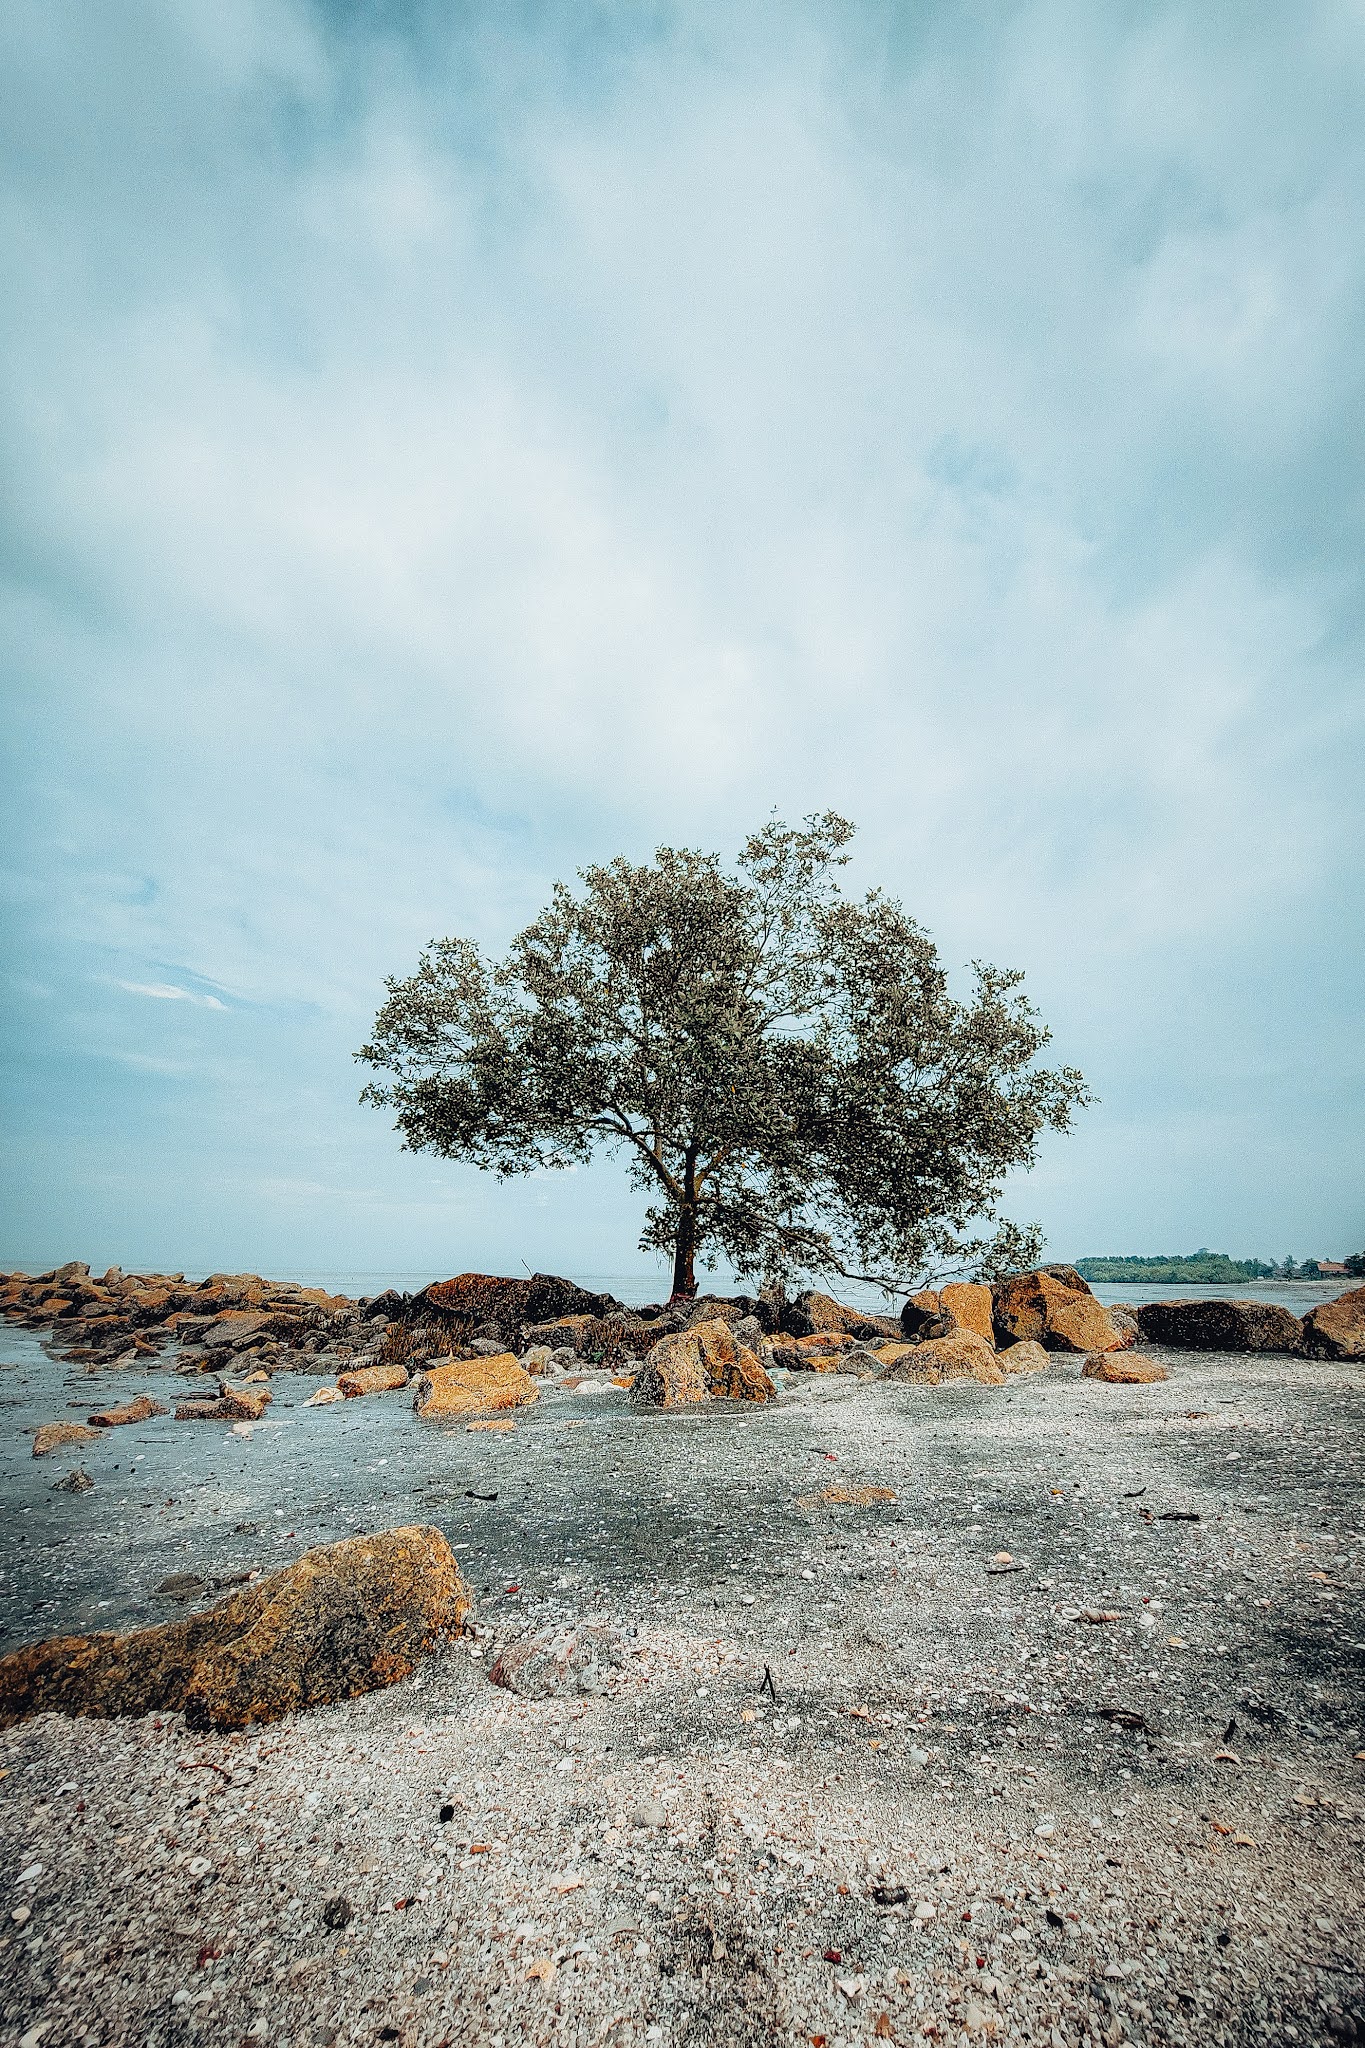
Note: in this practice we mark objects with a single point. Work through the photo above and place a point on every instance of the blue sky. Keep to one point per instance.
(444, 446)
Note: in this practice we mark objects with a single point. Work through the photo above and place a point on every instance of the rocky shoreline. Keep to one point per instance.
(978, 1705)
(120, 1318)
(245, 1329)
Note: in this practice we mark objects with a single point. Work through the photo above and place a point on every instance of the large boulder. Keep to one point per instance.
(472, 1386)
(1336, 1329)
(971, 1307)
(610, 1340)
(1220, 1326)
(341, 1620)
(702, 1363)
(244, 1404)
(1039, 1308)
(924, 1316)
(963, 1356)
(733, 1309)
(560, 1332)
(486, 1302)
(1075, 1282)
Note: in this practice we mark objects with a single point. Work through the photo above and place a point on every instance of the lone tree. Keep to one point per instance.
(783, 1068)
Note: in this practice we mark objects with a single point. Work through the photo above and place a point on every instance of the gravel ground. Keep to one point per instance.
(852, 1779)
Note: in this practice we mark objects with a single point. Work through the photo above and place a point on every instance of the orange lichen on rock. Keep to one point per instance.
(1129, 1369)
(826, 1351)
(53, 1435)
(846, 1497)
(342, 1620)
(703, 1363)
(1336, 1329)
(887, 1354)
(1040, 1307)
(970, 1307)
(467, 1385)
(963, 1356)
(141, 1409)
(244, 1404)
(372, 1379)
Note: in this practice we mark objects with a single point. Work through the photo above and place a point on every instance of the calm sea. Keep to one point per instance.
(639, 1287)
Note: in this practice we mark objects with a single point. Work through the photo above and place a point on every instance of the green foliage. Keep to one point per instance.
(1201, 1268)
(1355, 1265)
(783, 1069)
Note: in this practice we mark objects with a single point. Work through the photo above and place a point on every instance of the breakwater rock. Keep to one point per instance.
(1220, 1326)
(344, 1619)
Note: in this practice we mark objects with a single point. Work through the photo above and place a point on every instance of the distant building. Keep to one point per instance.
(1329, 1268)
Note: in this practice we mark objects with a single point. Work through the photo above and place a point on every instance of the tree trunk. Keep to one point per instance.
(684, 1255)
(685, 1244)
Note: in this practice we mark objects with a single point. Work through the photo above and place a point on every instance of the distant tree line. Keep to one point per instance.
(1205, 1268)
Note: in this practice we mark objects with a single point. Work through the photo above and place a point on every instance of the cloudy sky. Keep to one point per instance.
(446, 444)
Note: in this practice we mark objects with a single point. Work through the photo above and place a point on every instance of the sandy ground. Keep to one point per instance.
(852, 1779)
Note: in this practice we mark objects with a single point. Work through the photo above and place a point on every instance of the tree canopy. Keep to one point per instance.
(783, 1068)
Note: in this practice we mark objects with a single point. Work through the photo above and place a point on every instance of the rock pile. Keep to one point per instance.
(705, 1362)
(547, 1326)
(120, 1317)
(1053, 1307)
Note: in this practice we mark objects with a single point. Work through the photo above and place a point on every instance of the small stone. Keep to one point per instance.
(1124, 1369)
(53, 1435)
(338, 1912)
(925, 1910)
(324, 1397)
(244, 1404)
(372, 1379)
(77, 1480)
(184, 1586)
(142, 1409)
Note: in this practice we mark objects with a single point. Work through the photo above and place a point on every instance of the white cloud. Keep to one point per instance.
(167, 992)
